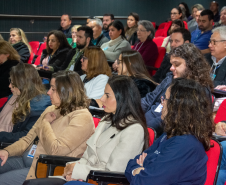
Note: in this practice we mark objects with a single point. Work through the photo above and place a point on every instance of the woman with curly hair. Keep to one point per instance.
(62, 129)
(178, 156)
(187, 62)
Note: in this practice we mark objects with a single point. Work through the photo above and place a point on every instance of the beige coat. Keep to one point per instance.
(109, 149)
(66, 136)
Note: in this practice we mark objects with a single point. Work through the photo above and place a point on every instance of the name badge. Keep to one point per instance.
(105, 48)
(32, 151)
(159, 108)
(72, 67)
(213, 76)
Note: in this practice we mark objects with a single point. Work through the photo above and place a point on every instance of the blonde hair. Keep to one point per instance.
(75, 27)
(21, 33)
(6, 48)
(1, 38)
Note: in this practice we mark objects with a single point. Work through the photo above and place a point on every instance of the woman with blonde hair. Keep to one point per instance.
(97, 72)
(73, 39)
(25, 105)
(62, 129)
(20, 43)
(8, 58)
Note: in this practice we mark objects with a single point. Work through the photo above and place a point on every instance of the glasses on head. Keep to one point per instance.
(213, 42)
(163, 98)
(118, 61)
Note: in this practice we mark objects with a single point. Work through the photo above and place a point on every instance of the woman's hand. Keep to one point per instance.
(221, 87)
(220, 129)
(4, 156)
(114, 66)
(137, 171)
(68, 170)
(50, 117)
(140, 161)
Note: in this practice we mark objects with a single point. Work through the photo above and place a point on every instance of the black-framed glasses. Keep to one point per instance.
(163, 98)
(213, 42)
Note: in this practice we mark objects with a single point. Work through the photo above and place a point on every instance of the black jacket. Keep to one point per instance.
(67, 32)
(23, 51)
(102, 39)
(144, 86)
(133, 39)
(220, 73)
(20, 129)
(160, 75)
(4, 77)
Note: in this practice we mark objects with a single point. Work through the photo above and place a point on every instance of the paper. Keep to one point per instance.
(159, 108)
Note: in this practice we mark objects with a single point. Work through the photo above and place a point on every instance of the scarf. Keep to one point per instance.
(130, 32)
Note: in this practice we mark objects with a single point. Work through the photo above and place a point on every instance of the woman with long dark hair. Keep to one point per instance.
(178, 156)
(130, 63)
(131, 28)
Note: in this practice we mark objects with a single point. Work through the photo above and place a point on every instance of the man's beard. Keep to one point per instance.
(81, 46)
(105, 27)
(202, 28)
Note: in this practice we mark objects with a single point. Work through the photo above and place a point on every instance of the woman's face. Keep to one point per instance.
(14, 37)
(223, 17)
(53, 43)
(84, 62)
(175, 14)
(74, 33)
(174, 26)
(164, 103)
(108, 100)
(131, 21)
(114, 33)
(3, 58)
(54, 96)
(142, 33)
(121, 67)
(14, 90)
(194, 12)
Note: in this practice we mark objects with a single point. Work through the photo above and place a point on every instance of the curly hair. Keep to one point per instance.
(189, 111)
(71, 91)
(197, 67)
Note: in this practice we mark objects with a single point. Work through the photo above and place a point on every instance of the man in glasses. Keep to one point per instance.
(217, 57)
(201, 36)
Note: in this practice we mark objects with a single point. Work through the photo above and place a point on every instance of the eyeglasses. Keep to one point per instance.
(118, 61)
(141, 30)
(213, 42)
(163, 98)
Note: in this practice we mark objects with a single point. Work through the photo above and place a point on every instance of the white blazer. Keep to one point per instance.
(95, 87)
(109, 149)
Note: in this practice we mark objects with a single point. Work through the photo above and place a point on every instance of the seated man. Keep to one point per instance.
(66, 25)
(200, 37)
(217, 57)
(178, 37)
(107, 19)
(72, 61)
(187, 62)
(98, 36)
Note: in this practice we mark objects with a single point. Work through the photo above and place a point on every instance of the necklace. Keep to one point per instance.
(139, 47)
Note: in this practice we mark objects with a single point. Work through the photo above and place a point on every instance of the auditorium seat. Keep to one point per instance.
(30, 58)
(2, 101)
(41, 48)
(37, 60)
(34, 46)
(158, 41)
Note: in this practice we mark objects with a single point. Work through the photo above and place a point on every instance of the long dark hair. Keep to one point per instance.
(128, 110)
(119, 26)
(135, 16)
(61, 39)
(189, 111)
(187, 11)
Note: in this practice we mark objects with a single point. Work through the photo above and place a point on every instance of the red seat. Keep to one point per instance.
(34, 46)
(37, 61)
(154, 24)
(96, 121)
(41, 48)
(162, 53)
(2, 101)
(31, 58)
(132, 47)
(152, 135)
(158, 41)
(213, 164)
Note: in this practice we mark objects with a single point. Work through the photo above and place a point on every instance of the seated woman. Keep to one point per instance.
(97, 72)
(8, 58)
(19, 42)
(192, 22)
(55, 53)
(146, 47)
(130, 63)
(175, 24)
(72, 41)
(62, 129)
(25, 106)
(184, 6)
(120, 136)
(131, 28)
(118, 42)
(176, 13)
(178, 156)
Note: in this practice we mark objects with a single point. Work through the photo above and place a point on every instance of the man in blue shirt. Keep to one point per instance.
(107, 19)
(200, 37)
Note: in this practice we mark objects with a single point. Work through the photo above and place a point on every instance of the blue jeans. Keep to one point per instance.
(222, 172)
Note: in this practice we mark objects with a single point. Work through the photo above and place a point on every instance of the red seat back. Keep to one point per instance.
(37, 61)
(30, 58)
(132, 46)
(96, 121)
(152, 135)
(158, 41)
(213, 163)
(34, 46)
(2, 101)
(162, 53)
(41, 48)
